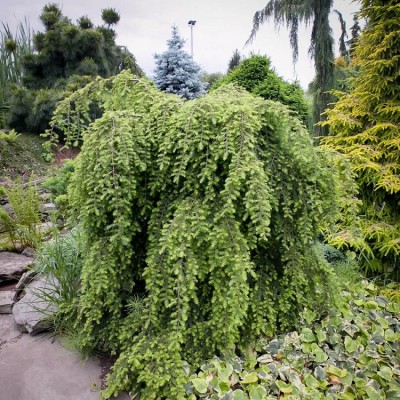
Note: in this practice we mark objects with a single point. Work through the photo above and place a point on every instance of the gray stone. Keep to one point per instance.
(13, 265)
(32, 311)
(48, 207)
(6, 301)
(46, 227)
(41, 368)
(8, 209)
(28, 252)
(26, 278)
(8, 330)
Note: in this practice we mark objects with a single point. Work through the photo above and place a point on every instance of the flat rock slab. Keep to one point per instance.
(37, 369)
(41, 369)
(13, 265)
(9, 332)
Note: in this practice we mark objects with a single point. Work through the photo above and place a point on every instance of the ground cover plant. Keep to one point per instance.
(352, 353)
(198, 222)
(21, 155)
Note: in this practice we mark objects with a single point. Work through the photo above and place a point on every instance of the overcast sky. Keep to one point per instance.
(222, 26)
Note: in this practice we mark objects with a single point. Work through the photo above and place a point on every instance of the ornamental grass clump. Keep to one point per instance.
(198, 220)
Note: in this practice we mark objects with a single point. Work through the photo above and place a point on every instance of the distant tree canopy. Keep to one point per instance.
(256, 75)
(64, 51)
(176, 72)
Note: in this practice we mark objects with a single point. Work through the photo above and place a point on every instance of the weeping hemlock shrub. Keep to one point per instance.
(199, 220)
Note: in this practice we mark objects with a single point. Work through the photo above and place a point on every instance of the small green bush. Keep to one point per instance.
(60, 261)
(58, 185)
(256, 75)
(9, 137)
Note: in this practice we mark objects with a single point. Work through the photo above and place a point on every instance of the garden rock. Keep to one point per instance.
(28, 252)
(6, 301)
(32, 311)
(45, 196)
(48, 207)
(13, 265)
(46, 227)
(8, 209)
(26, 279)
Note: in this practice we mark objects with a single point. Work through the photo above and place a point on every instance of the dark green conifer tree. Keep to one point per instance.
(64, 50)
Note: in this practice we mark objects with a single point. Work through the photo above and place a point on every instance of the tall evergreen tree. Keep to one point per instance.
(366, 128)
(176, 72)
(355, 33)
(342, 42)
(234, 61)
(315, 13)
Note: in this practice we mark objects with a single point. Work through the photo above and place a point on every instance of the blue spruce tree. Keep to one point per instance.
(176, 72)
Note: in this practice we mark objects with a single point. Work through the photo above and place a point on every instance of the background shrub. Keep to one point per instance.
(256, 75)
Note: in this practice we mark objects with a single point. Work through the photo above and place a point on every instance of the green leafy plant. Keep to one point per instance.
(13, 47)
(9, 137)
(353, 353)
(22, 224)
(58, 185)
(207, 210)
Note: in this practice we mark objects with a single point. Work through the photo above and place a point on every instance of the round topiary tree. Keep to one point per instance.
(256, 75)
(199, 219)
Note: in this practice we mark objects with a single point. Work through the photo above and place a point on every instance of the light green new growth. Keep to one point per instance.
(365, 127)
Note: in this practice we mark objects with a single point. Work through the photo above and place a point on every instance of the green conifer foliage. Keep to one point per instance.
(199, 220)
(366, 128)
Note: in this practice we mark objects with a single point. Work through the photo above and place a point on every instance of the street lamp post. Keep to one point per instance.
(191, 23)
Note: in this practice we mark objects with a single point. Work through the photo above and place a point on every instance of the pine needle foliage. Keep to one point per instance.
(365, 128)
(64, 53)
(199, 221)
